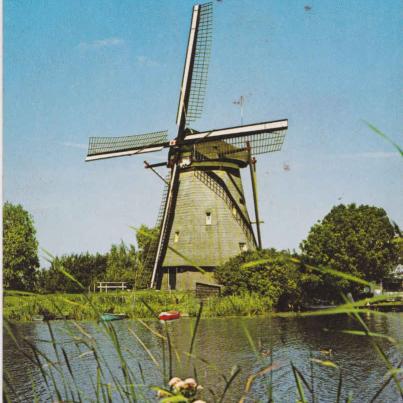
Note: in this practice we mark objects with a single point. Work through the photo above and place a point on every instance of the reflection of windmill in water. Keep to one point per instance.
(203, 219)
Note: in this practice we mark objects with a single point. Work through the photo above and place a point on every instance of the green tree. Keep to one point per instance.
(121, 263)
(273, 275)
(144, 237)
(355, 240)
(20, 248)
(84, 267)
(147, 240)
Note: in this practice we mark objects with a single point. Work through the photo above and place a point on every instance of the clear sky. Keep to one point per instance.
(74, 69)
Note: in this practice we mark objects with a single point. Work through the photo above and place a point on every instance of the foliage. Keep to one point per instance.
(87, 269)
(117, 265)
(144, 236)
(276, 277)
(122, 262)
(19, 307)
(350, 239)
(20, 248)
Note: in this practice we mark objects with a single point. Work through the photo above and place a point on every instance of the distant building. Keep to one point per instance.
(394, 282)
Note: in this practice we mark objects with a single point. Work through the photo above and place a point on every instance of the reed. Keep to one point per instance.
(24, 307)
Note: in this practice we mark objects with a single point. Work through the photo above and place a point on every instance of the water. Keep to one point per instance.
(220, 345)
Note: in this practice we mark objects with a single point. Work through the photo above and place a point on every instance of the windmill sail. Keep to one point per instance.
(143, 277)
(194, 81)
(232, 142)
(169, 207)
(190, 106)
(109, 147)
(200, 64)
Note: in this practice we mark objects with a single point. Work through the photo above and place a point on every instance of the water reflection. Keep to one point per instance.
(220, 345)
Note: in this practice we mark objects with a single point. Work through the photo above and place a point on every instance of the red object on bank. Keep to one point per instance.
(169, 315)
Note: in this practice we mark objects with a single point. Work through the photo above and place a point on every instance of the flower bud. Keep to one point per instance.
(180, 385)
(174, 381)
(191, 383)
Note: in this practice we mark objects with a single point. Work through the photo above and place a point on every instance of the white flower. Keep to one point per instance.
(174, 381)
(180, 385)
(190, 382)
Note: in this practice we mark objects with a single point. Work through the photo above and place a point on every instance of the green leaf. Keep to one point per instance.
(371, 334)
(299, 384)
(175, 399)
(325, 363)
(383, 135)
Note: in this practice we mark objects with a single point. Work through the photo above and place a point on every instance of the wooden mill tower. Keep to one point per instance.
(203, 220)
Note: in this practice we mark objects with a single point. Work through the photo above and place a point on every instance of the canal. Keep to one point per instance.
(221, 345)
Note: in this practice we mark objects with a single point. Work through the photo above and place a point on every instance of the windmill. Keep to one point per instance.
(203, 219)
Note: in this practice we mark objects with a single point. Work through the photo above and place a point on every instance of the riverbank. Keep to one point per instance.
(27, 306)
(24, 307)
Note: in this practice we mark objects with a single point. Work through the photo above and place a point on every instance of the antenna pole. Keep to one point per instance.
(241, 100)
(252, 166)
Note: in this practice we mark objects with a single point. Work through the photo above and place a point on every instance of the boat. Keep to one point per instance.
(108, 316)
(169, 315)
(38, 318)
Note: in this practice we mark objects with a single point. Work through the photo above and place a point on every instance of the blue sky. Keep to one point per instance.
(76, 69)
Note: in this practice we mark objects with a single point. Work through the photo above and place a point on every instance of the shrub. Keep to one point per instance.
(267, 272)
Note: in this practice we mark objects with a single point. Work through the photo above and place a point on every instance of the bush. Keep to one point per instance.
(267, 272)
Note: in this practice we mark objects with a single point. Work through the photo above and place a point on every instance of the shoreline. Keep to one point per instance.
(146, 304)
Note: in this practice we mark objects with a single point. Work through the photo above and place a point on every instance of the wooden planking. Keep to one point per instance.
(205, 291)
(206, 245)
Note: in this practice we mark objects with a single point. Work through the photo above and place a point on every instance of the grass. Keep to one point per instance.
(24, 306)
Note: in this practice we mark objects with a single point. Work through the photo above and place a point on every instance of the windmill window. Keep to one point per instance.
(208, 218)
(243, 247)
(176, 237)
(241, 200)
(234, 211)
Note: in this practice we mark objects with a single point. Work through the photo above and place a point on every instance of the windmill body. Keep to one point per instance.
(210, 222)
(203, 219)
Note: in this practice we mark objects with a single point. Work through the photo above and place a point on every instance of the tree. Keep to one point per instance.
(20, 248)
(350, 239)
(273, 275)
(121, 263)
(85, 268)
(145, 236)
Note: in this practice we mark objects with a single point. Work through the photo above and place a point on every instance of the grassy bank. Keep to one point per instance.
(24, 306)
